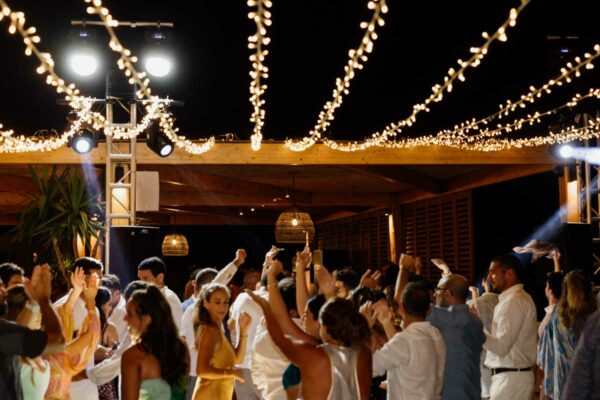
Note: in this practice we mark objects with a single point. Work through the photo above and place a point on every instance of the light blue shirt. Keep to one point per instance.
(464, 337)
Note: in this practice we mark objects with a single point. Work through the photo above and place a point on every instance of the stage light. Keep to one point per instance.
(158, 60)
(84, 63)
(158, 65)
(566, 151)
(84, 141)
(83, 60)
(158, 142)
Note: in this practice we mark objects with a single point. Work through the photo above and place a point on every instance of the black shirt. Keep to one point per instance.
(15, 341)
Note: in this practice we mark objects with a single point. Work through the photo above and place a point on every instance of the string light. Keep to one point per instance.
(342, 86)
(567, 73)
(9, 141)
(438, 90)
(126, 62)
(262, 19)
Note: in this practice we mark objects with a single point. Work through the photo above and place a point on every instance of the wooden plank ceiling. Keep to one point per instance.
(231, 179)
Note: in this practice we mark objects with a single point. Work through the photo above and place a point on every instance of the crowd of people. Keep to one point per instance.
(297, 332)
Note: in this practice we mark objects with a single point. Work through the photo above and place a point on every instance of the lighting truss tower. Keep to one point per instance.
(121, 171)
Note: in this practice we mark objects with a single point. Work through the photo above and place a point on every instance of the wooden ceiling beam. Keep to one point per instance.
(174, 199)
(198, 219)
(488, 176)
(238, 153)
(204, 182)
(400, 176)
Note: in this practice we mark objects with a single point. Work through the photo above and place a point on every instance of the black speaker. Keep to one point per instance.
(575, 244)
(129, 245)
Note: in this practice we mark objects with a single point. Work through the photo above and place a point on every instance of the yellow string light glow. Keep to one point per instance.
(8, 141)
(342, 86)
(567, 73)
(262, 19)
(438, 90)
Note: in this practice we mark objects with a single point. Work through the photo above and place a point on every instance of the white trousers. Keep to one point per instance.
(84, 390)
(512, 386)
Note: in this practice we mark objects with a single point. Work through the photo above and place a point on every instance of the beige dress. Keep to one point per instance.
(217, 389)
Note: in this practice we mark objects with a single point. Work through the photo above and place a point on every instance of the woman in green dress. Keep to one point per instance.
(158, 361)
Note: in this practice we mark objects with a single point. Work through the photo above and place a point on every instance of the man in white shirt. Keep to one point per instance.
(484, 307)
(153, 270)
(414, 359)
(511, 345)
(268, 362)
(244, 304)
(81, 386)
(117, 302)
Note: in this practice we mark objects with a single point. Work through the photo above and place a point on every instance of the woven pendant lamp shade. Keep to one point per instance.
(175, 245)
(292, 226)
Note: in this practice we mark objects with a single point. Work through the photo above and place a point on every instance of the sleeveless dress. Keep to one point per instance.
(344, 379)
(217, 389)
(155, 389)
(33, 381)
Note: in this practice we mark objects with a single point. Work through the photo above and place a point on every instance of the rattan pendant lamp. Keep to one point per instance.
(293, 225)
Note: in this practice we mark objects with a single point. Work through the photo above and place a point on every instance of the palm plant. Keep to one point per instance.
(64, 210)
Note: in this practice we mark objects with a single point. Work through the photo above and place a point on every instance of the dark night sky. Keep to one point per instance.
(310, 41)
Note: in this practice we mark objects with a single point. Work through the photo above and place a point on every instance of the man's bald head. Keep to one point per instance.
(452, 290)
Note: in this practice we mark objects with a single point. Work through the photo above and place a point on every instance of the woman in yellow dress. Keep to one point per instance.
(216, 356)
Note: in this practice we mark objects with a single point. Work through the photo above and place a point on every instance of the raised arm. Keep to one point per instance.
(302, 262)
(226, 274)
(297, 353)
(278, 307)
(39, 289)
(244, 322)
(406, 264)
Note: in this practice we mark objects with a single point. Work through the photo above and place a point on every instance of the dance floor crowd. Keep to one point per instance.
(297, 332)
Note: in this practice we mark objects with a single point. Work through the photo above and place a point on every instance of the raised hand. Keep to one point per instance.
(368, 312)
(325, 281)
(474, 292)
(238, 375)
(244, 322)
(382, 312)
(438, 262)
(257, 299)
(271, 254)
(275, 268)
(78, 280)
(39, 286)
(370, 279)
(91, 289)
(240, 257)
(407, 262)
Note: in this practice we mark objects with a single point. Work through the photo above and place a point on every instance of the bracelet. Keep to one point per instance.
(33, 307)
(273, 285)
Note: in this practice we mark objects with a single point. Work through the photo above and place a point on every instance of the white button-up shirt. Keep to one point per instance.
(117, 317)
(175, 305)
(243, 303)
(414, 360)
(512, 343)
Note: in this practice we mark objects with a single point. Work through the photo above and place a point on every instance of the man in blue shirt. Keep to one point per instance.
(464, 337)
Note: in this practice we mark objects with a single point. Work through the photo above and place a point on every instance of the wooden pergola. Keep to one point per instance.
(213, 188)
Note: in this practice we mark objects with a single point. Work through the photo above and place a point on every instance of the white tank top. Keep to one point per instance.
(344, 378)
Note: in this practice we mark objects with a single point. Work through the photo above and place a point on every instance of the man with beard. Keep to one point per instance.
(512, 343)
(16, 340)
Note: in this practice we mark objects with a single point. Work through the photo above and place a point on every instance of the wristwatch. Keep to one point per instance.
(35, 307)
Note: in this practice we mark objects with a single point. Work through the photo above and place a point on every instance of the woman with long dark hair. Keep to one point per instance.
(158, 362)
(216, 356)
(560, 336)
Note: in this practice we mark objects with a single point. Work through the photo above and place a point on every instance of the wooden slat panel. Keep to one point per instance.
(366, 234)
(440, 228)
